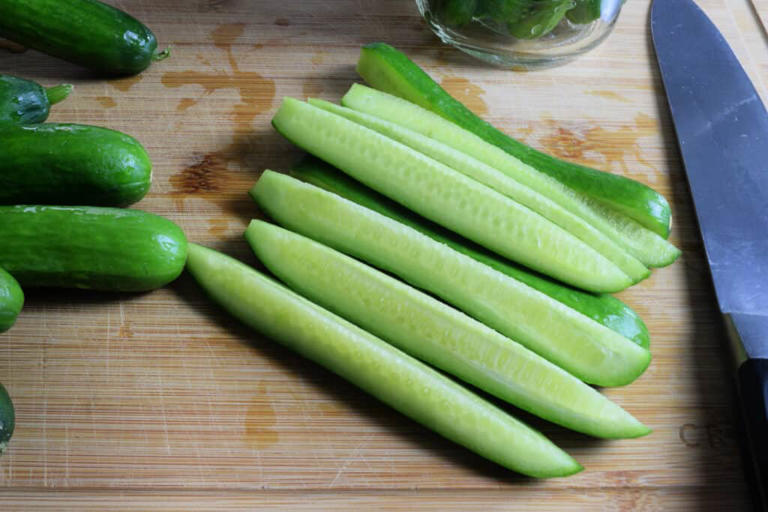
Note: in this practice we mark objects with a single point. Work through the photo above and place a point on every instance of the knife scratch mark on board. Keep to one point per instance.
(611, 95)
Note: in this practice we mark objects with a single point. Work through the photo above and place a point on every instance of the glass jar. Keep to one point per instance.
(521, 34)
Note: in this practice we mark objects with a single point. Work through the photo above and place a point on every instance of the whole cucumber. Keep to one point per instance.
(85, 32)
(24, 101)
(70, 164)
(11, 300)
(89, 247)
(7, 418)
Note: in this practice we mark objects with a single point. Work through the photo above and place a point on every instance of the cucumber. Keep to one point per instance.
(544, 18)
(376, 367)
(500, 182)
(24, 101)
(70, 164)
(84, 32)
(645, 245)
(7, 418)
(448, 197)
(90, 247)
(605, 309)
(389, 70)
(11, 300)
(585, 11)
(437, 334)
(454, 13)
(576, 343)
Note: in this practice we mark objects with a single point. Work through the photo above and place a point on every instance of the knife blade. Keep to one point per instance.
(722, 131)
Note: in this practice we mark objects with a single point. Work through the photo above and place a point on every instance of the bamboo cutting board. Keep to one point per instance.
(161, 401)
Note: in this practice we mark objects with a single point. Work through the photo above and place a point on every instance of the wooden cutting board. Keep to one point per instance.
(161, 401)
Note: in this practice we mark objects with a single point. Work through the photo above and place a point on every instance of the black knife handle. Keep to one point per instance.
(753, 388)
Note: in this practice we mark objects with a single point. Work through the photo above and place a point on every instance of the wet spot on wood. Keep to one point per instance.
(225, 35)
(312, 89)
(317, 58)
(185, 103)
(125, 330)
(260, 421)
(124, 84)
(106, 101)
(258, 46)
(610, 95)
(282, 22)
(207, 174)
(218, 227)
(466, 92)
(600, 147)
(201, 58)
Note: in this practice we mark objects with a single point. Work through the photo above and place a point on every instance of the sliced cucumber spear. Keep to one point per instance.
(605, 309)
(643, 244)
(389, 70)
(385, 372)
(500, 182)
(437, 334)
(576, 343)
(448, 197)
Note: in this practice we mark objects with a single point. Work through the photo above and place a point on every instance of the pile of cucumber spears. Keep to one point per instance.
(420, 237)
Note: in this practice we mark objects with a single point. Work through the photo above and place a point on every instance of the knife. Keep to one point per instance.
(722, 131)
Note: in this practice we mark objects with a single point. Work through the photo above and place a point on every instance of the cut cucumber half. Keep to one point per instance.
(448, 197)
(645, 245)
(603, 308)
(576, 343)
(437, 334)
(500, 182)
(389, 70)
(385, 372)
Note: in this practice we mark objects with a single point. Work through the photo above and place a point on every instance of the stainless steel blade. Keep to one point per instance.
(722, 129)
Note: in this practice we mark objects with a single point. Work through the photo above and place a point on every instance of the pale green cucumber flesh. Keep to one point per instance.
(376, 367)
(448, 197)
(389, 70)
(11, 300)
(437, 334)
(603, 308)
(500, 182)
(576, 343)
(645, 245)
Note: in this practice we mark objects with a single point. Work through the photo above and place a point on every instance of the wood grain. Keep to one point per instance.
(161, 401)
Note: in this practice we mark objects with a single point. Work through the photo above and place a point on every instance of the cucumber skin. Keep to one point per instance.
(7, 418)
(85, 32)
(88, 247)
(437, 334)
(22, 101)
(376, 367)
(11, 300)
(389, 70)
(70, 164)
(603, 308)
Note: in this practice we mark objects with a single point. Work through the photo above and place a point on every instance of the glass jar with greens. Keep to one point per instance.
(522, 34)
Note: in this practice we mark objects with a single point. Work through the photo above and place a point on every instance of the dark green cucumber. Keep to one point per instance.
(455, 13)
(604, 308)
(387, 69)
(24, 101)
(89, 247)
(585, 11)
(11, 300)
(7, 418)
(71, 164)
(85, 32)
